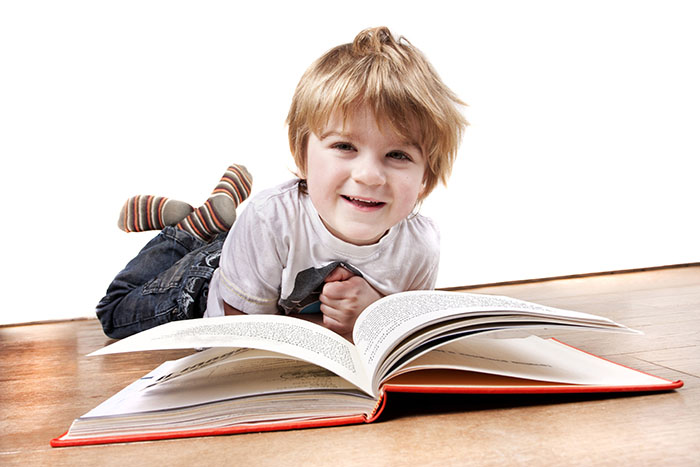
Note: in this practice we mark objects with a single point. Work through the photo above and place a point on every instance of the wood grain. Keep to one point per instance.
(46, 381)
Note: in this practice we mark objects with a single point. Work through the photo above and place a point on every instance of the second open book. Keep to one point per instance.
(275, 372)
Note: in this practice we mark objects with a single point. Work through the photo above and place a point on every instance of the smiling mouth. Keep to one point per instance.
(363, 203)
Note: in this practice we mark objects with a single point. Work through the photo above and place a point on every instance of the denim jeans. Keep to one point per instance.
(167, 281)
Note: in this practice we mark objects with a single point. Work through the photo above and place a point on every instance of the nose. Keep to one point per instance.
(369, 170)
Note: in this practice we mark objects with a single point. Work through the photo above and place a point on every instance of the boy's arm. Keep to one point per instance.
(229, 310)
(343, 298)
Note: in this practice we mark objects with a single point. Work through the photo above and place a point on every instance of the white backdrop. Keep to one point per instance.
(580, 156)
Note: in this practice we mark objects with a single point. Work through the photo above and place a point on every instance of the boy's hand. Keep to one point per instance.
(343, 298)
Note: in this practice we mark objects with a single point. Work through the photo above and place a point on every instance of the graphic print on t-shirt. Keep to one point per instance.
(308, 286)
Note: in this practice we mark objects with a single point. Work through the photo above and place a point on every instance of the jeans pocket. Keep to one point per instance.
(168, 279)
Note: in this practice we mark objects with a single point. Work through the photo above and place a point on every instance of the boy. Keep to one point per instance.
(372, 129)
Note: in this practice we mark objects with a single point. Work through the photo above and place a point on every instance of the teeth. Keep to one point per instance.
(362, 201)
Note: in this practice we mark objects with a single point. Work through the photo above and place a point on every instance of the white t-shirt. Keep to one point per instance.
(278, 253)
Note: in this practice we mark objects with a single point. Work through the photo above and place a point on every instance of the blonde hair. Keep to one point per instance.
(397, 82)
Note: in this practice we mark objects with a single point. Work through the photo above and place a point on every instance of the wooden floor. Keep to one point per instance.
(46, 381)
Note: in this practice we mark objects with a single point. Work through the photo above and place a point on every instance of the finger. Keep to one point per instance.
(338, 293)
(332, 291)
(332, 307)
(339, 274)
(332, 321)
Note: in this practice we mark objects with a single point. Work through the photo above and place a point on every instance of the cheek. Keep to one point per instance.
(319, 186)
(313, 158)
(409, 190)
(325, 172)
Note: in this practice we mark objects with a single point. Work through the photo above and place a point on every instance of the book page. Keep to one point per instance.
(386, 322)
(210, 361)
(282, 334)
(243, 378)
(531, 358)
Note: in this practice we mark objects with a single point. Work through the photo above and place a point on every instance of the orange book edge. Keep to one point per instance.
(406, 383)
(243, 428)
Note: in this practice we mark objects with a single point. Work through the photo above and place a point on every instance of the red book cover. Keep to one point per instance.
(430, 381)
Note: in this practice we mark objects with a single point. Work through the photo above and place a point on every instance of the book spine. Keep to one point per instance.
(378, 408)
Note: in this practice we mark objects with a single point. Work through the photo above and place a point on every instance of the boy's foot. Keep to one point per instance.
(142, 213)
(218, 213)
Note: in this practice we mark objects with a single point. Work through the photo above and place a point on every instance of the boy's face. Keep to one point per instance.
(362, 180)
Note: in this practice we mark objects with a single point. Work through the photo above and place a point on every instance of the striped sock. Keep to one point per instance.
(142, 213)
(218, 213)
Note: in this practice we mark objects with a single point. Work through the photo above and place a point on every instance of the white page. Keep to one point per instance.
(389, 320)
(530, 358)
(252, 377)
(283, 334)
(207, 363)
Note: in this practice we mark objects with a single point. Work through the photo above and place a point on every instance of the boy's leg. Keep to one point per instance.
(141, 213)
(214, 217)
(169, 279)
(218, 213)
(151, 288)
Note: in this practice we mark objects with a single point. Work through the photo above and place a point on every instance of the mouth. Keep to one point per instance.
(363, 203)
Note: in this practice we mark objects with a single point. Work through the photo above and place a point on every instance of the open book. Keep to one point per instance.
(273, 372)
